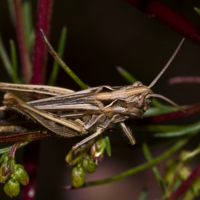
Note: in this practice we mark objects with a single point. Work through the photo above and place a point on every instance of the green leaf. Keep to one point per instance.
(143, 194)
(14, 61)
(197, 10)
(194, 128)
(5, 59)
(108, 146)
(62, 63)
(61, 48)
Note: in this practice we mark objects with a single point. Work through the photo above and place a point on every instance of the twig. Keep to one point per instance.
(186, 184)
(44, 14)
(186, 79)
(17, 137)
(165, 15)
(31, 153)
(189, 110)
(22, 42)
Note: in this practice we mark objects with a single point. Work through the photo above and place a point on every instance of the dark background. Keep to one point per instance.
(103, 34)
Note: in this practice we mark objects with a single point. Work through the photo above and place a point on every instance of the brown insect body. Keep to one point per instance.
(93, 110)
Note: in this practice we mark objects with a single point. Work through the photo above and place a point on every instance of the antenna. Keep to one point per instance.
(166, 66)
(168, 100)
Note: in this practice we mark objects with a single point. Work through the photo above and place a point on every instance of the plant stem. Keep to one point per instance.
(186, 184)
(16, 137)
(31, 152)
(155, 170)
(5, 59)
(186, 79)
(61, 48)
(13, 150)
(165, 15)
(22, 41)
(14, 61)
(62, 63)
(143, 194)
(44, 15)
(7, 149)
(189, 110)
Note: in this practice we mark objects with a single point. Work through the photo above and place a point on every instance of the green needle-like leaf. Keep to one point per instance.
(194, 128)
(197, 10)
(14, 61)
(62, 63)
(155, 170)
(143, 194)
(7, 149)
(5, 59)
(28, 23)
(61, 48)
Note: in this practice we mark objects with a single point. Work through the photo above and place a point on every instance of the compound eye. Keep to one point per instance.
(139, 102)
(137, 84)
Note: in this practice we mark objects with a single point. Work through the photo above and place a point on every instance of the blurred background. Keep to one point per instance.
(103, 34)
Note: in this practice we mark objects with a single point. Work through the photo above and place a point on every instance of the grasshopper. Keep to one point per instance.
(90, 111)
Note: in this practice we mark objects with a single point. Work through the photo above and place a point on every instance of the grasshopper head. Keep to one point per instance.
(139, 103)
(139, 100)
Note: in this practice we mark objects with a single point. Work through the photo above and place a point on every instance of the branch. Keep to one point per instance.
(44, 15)
(22, 42)
(186, 79)
(168, 17)
(31, 152)
(189, 110)
(186, 184)
(21, 137)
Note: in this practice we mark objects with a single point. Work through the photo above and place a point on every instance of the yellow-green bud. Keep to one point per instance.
(12, 188)
(184, 155)
(89, 165)
(73, 159)
(20, 174)
(6, 168)
(77, 176)
(97, 149)
(185, 172)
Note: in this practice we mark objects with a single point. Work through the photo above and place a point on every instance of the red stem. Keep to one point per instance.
(31, 152)
(168, 17)
(190, 110)
(186, 184)
(182, 79)
(22, 42)
(21, 137)
(44, 15)
(13, 150)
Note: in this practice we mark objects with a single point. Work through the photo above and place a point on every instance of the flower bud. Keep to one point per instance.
(89, 165)
(4, 157)
(6, 168)
(77, 176)
(196, 187)
(170, 168)
(108, 146)
(97, 149)
(12, 188)
(185, 172)
(74, 158)
(185, 156)
(20, 174)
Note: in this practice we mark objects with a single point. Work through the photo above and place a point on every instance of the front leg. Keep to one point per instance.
(94, 135)
(128, 133)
